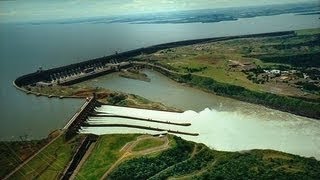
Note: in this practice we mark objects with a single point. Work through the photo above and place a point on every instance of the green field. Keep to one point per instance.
(13, 153)
(51, 162)
(147, 144)
(105, 153)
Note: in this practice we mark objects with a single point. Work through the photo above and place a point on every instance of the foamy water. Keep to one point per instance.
(223, 130)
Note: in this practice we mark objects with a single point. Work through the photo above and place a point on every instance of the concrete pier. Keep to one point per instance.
(141, 127)
(142, 119)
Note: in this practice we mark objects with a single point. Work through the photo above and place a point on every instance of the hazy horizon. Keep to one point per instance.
(21, 11)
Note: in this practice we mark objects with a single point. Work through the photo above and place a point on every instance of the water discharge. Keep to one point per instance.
(223, 130)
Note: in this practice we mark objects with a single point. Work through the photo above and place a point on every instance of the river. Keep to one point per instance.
(25, 47)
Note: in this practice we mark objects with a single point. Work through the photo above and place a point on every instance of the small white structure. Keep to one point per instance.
(275, 71)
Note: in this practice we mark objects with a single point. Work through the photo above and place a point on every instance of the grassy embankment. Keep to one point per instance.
(51, 162)
(188, 160)
(234, 68)
(104, 154)
(147, 144)
(14, 153)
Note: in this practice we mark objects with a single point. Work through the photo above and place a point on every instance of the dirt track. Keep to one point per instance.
(128, 153)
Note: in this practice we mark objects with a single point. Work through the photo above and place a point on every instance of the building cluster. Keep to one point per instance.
(66, 75)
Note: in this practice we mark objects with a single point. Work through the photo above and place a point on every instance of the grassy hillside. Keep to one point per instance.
(188, 160)
(51, 162)
(105, 153)
(147, 144)
(134, 156)
(14, 153)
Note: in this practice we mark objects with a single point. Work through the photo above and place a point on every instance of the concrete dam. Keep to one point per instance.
(111, 118)
(78, 72)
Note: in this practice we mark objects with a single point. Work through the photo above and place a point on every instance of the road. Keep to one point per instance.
(127, 151)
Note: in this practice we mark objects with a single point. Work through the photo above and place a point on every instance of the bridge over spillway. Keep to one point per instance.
(108, 119)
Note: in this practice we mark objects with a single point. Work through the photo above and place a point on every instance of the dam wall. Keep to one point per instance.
(72, 127)
(85, 70)
(80, 152)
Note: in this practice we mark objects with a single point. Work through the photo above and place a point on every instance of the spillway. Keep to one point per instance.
(221, 130)
(113, 117)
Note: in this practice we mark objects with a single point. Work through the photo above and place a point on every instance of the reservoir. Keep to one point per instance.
(25, 47)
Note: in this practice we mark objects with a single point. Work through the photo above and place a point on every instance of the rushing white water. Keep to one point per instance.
(223, 130)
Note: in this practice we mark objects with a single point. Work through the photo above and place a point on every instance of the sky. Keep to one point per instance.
(33, 10)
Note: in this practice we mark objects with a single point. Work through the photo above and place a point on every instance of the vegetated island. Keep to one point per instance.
(135, 156)
(132, 73)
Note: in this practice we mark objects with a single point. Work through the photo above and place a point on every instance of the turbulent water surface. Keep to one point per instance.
(222, 130)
